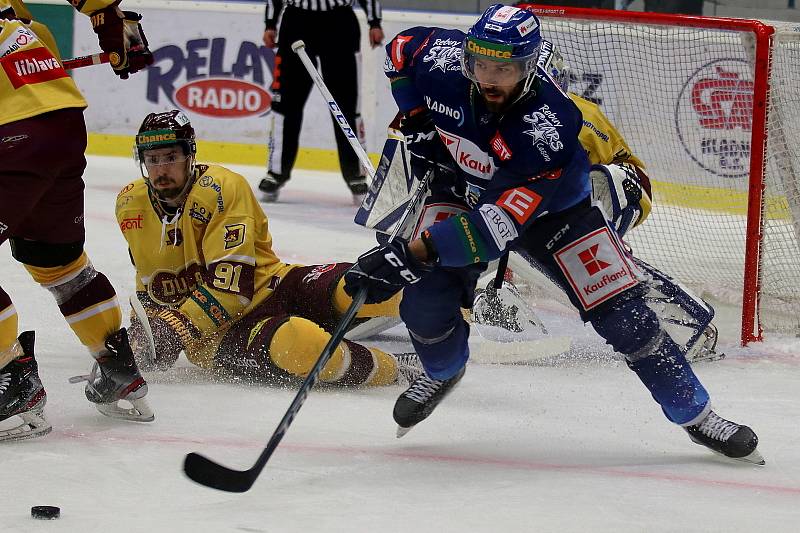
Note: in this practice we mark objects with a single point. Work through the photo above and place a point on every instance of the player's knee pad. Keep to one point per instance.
(297, 343)
(442, 355)
(44, 254)
(623, 191)
(627, 324)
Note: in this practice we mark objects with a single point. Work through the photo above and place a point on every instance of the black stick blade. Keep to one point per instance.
(206, 472)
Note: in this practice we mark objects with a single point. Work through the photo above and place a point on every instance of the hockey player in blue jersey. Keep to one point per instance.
(509, 173)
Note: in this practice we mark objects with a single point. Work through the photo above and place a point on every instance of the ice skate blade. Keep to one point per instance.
(269, 197)
(139, 412)
(402, 431)
(754, 458)
(33, 425)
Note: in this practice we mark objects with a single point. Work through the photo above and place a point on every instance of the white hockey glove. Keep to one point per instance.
(624, 192)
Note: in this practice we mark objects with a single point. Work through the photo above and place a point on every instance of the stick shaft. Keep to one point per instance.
(300, 49)
(85, 61)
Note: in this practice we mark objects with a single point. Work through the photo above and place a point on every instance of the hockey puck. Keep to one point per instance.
(45, 512)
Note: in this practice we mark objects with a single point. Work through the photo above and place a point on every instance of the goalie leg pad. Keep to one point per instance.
(685, 316)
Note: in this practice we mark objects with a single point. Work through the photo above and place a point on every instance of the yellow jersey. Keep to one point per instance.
(212, 260)
(603, 143)
(32, 79)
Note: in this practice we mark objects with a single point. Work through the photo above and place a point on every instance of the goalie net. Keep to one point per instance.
(712, 106)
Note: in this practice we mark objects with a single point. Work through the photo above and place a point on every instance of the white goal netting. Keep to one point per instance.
(684, 99)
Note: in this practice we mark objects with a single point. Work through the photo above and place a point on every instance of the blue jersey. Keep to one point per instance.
(512, 168)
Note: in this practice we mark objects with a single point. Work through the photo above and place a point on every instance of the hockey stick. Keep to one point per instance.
(86, 61)
(141, 314)
(206, 472)
(299, 48)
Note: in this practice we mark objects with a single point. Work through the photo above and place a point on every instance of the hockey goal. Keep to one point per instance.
(712, 106)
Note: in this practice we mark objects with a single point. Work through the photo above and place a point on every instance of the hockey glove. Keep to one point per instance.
(422, 138)
(172, 333)
(384, 271)
(122, 37)
(624, 192)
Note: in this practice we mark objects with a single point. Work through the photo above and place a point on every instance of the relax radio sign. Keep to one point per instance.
(209, 64)
(198, 76)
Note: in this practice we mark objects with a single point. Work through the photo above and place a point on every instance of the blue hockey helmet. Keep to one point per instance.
(507, 35)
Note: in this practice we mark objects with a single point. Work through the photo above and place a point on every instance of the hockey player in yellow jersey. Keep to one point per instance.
(211, 284)
(42, 143)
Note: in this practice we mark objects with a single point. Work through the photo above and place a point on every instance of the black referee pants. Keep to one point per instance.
(332, 41)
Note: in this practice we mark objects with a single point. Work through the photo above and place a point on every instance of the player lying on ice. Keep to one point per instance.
(620, 184)
(211, 285)
(522, 181)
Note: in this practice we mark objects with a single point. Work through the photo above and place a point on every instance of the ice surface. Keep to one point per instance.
(569, 443)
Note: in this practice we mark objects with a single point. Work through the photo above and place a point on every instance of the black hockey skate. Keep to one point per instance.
(22, 394)
(409, 367)
(726, 438)
(358, 188)
(115, 377)
(271, 185)
(420, 399)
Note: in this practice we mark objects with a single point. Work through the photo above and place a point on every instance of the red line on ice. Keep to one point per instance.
(443, 458)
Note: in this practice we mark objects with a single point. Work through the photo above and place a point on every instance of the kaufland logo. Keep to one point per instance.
(469, 157)
(204, 76)
(605, 280)
(591, 263)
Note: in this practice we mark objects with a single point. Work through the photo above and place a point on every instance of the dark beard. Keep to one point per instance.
(169, 194)
(501, 107)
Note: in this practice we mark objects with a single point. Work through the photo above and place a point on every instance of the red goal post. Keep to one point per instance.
(712, 106)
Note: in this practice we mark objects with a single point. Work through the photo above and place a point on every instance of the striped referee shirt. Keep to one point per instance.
(274, 7)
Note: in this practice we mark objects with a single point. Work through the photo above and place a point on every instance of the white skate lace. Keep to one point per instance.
(409, 366)
(5, 381)
(423, 388)
(717, 427)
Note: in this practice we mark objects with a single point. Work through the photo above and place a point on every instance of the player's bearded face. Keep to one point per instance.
(498, 81)
(167, 170)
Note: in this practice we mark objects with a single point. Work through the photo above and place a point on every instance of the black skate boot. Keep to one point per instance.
(726, 438)
(420, 399)
(116, 377)
(271, 186)
(409, 367)
(358, 188)
(22, 394)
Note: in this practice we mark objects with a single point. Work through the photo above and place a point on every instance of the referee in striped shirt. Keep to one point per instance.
(332, 36)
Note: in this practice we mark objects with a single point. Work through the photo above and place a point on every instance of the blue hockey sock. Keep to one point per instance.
(672, 382)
